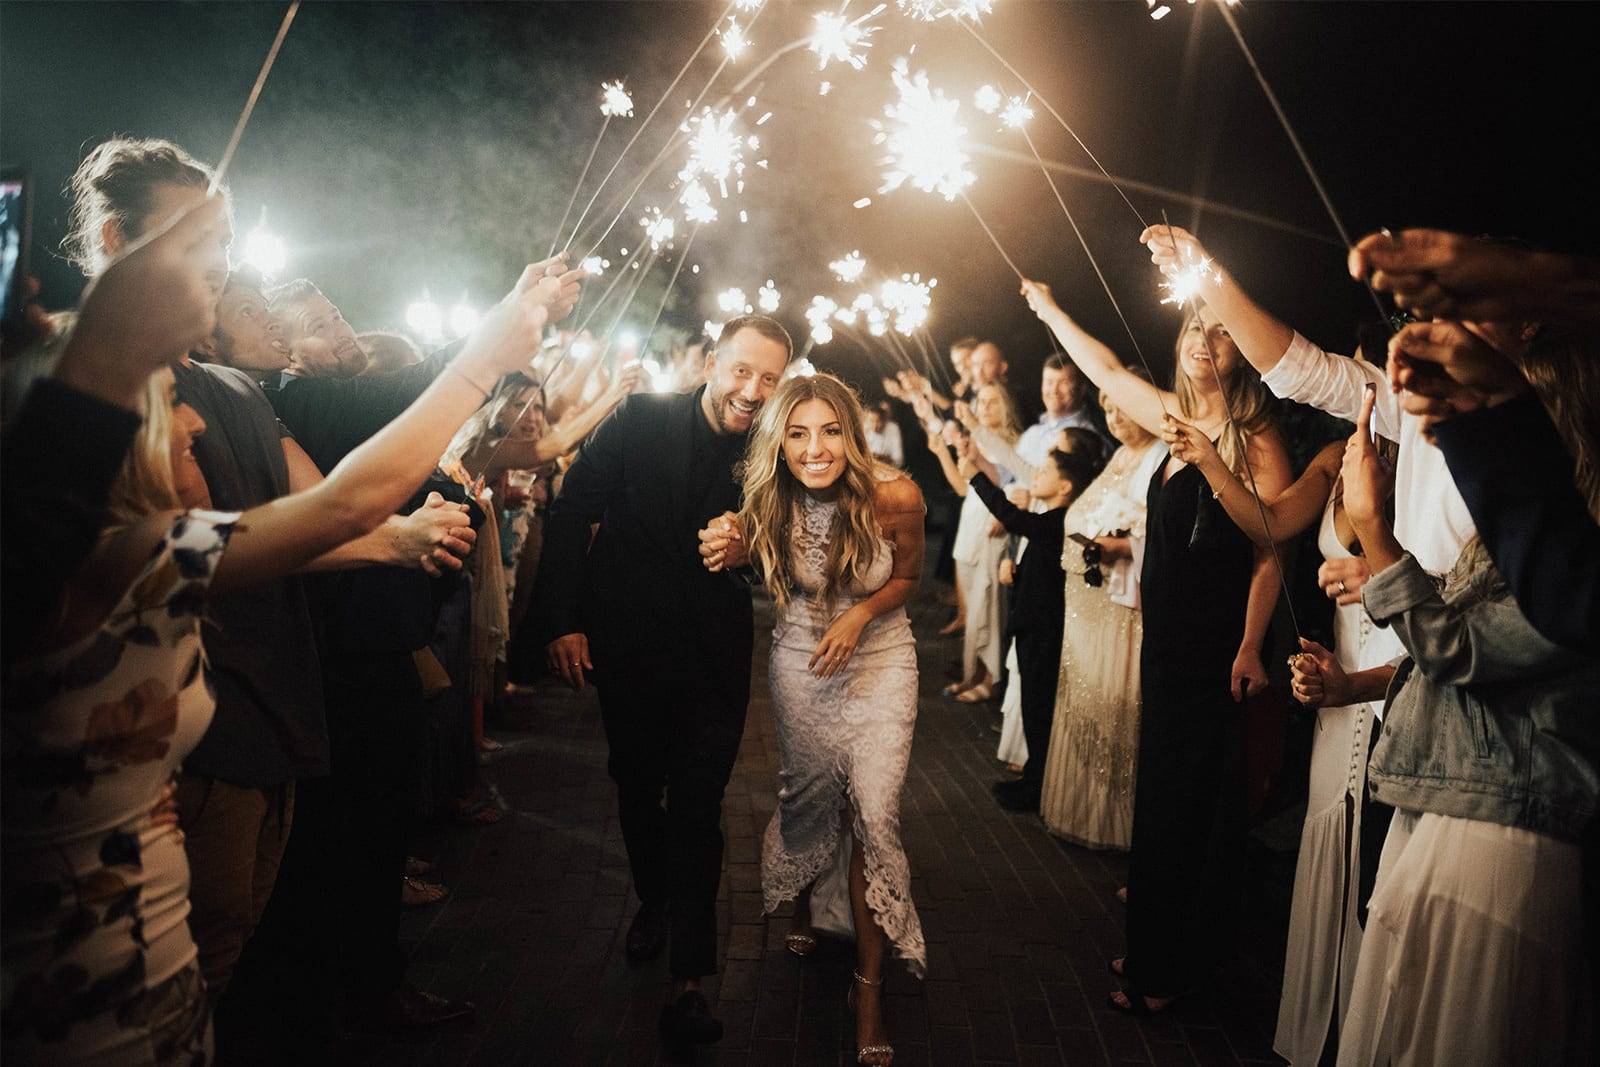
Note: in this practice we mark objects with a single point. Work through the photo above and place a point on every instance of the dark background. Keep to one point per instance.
(401, 146)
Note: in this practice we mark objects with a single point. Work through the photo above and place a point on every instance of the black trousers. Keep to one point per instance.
(1038, 665)
(673, 739)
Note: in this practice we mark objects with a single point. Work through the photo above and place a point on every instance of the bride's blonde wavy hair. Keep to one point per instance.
(772, 494)
(1246, 396)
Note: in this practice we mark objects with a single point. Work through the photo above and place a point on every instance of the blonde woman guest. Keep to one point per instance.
(1089, 778)
(837, 538)
(100, 965)
(1207, 596)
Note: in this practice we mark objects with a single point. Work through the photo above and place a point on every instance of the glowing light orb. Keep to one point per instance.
(987, 99)
(425, 318)
(614, 100)
(696, 203)
(463, 317)
(265, 251)
(713, 330)
(768, 297)
(848, 268)
(732, 301)
(595, 266)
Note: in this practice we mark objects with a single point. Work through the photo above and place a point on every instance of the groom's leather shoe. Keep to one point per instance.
(1018, 795)
(647, 935)
(688, 1021)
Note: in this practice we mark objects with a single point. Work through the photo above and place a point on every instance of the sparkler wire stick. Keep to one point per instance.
(1026, 84)
(562, 225)
(712, 32)
(255, 94)
(1244, 451)
(644, 347)
(1003, 254)
(627, 301)
(1104, 284)
(1294, 140)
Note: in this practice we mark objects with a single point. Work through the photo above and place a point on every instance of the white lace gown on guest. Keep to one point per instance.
(842, 740)
(1087, 794)
(1324, 934)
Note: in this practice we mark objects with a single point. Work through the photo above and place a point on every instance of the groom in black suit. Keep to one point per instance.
(666, 642)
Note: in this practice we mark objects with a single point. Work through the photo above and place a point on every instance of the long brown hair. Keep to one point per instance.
(772, 494)
(1563, 366)
(1247, 399)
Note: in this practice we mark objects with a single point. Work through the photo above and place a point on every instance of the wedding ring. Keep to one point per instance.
(1342, 589)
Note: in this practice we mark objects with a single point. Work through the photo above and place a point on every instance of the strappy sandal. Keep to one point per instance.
(876, 1055)
(976, 694)
(799, 942)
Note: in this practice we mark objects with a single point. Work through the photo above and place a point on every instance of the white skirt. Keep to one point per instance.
(1013, 738)
(1473, 951)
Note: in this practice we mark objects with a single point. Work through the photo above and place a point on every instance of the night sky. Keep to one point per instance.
(400, 146)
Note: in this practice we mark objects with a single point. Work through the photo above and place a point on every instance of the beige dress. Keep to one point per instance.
(1094, 739)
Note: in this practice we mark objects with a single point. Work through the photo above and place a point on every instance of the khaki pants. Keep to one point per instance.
(234, 837)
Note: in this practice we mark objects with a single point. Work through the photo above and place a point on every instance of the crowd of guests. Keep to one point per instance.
(1117, 570)
(265, 578)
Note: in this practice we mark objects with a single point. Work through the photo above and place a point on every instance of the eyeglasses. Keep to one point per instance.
(1093, 576)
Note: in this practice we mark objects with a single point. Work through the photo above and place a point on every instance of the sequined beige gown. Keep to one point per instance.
(1094, 739)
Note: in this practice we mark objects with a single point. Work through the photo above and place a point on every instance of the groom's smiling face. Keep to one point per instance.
(740, 374)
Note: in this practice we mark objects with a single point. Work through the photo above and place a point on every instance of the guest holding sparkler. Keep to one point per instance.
(1207, 599)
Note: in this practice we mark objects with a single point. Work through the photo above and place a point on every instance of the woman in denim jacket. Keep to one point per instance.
(1490, 754)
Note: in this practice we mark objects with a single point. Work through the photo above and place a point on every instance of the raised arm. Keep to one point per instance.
(566, 435)
(379, 476)
(1142, 401)
(1294, 511)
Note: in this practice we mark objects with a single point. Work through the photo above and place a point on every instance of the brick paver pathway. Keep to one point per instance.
(1019, 926)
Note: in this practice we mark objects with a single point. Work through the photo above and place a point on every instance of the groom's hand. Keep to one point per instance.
(568, 656)
(721, 545)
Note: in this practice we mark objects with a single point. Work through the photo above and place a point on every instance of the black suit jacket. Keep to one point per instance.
(639, 592)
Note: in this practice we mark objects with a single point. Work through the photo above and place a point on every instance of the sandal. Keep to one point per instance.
(876, 1055)
(954, 689)
(489, 744)
(953, 627)
(416, 893)
(800, 943)
(1134, 1004)
(976, 694)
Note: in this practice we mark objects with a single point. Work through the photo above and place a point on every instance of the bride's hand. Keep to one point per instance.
(722, 547)
(839, 643)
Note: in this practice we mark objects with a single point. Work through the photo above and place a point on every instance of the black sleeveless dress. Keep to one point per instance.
(1186, 866)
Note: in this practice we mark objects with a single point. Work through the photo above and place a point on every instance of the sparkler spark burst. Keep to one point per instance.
(732, 302)
(1187, 282)
(923, 135)
(1016, 113)
(928, 10)
(833, 37)
(614, 100)
(767, 297)
(849, 268)
(658, 228)
(817, 315)
(713, 330)
(734, 42)
(987, 99)
(748, 5)
(716, 149)
(910, 298)
(595, 266)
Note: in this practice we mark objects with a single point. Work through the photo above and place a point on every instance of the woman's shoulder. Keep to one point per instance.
(894, 491)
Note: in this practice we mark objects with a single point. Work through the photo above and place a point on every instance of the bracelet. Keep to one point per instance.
(463, 376)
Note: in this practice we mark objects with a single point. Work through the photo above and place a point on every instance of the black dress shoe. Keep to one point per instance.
(1018, 795)
(647, 935)
(688, 1021)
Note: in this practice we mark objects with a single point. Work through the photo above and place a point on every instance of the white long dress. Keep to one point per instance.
(1324, 931)
(1094, 737)
(845, 739)
(977, 557)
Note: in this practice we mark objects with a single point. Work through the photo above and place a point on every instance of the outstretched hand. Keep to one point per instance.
(1435, 274)
(1041, 301)
(1172, 248)
(1444, 369)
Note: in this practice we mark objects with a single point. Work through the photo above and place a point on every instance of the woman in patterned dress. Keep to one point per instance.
(837, 537)
(99, 964)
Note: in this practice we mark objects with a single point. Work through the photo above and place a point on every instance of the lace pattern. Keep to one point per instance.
(842, 740)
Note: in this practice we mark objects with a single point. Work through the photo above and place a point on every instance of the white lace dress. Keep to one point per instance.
(845, 739)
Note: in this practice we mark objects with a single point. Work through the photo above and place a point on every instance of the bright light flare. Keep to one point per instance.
(1188, 281)
(733, 302)
(818, 313)
(987, 99)
(801, 368)
(265, 251)
(910, 299)
(658, 228)
(697, 206)
(734, 41)
(595, 266)
(425, 318)
(848, 269)
(929, 10)
(614, 100)
(716, 149)
(463, 318)
(835, 38)
(768, 297)
(923, 134)
(1016, 113)
(713, 330)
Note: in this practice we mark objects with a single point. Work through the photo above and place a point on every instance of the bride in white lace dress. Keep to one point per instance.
(837, 538)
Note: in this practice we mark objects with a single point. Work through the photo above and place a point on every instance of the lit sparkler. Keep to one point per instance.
(713, 330)
(734, 42)
(1016, 113)
(748, 5)
(696, 203)
(657, 227)
(614, 100)
(987, 99)
(817, 315)
(595, 266)
(929, 10)
(910, 298)
(732, 302)
(849, 268)
(768, 297)
(923, 135)
(1187, 282)
(833, 37)
(716, 149)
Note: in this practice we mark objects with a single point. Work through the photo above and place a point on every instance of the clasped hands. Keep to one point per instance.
(722, 544)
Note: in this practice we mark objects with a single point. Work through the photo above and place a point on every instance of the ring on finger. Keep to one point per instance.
(1343, 589)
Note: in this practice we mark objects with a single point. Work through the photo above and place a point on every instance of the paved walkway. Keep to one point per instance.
(1019, 926)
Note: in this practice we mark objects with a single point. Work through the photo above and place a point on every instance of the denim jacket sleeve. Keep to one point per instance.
(1479, 640)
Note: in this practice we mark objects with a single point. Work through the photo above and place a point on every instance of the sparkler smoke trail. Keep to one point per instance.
(250, 101)
(641, 127)
(1299, 149)
(614, 100)
(1244, 453)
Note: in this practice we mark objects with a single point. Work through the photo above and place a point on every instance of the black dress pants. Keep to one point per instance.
(1038, 666)
(674, 739)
